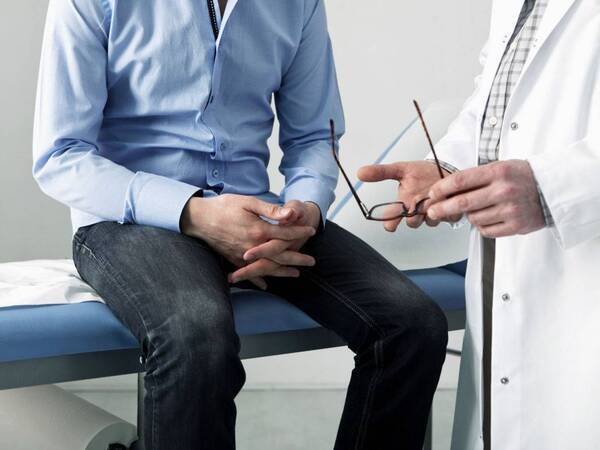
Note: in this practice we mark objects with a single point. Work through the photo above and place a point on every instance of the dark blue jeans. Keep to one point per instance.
(171, 291)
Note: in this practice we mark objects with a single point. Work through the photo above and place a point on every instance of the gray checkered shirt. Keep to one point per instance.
(509, 71)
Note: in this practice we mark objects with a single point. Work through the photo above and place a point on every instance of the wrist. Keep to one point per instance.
(191, 217)
(314, 214)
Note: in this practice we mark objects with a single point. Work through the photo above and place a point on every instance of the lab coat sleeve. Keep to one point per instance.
(456, 148)
(72, 93)
(569, 179)
(571, 188)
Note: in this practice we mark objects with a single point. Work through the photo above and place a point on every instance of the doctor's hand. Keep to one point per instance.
(415, 181)
(278, 252)
(232, 224)
(500, 199)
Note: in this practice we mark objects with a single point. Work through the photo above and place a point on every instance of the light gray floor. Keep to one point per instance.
(286, 419)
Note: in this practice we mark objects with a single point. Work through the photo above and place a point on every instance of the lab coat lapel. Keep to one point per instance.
(555, 12)
(505, 14)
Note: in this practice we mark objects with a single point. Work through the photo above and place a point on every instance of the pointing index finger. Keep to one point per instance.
(380, 172)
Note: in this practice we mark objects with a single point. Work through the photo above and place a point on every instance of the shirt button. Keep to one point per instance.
(215, 173)
(493, 121)
(514, 126)
(504, 380)
(223, 146)
(505, 297)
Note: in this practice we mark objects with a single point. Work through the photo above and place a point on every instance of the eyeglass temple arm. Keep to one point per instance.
(437, 162)
(363, 207)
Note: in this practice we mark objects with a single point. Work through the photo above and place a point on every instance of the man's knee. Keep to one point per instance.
(205, 342)
(429, 327)
(422, 321)
(435, 326)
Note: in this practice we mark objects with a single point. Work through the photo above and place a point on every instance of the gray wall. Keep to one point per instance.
(387, 52)
(31, 225)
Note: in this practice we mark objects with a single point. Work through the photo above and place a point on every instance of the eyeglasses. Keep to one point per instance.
(392, 210)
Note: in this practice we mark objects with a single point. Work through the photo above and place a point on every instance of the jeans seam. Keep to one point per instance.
(378, 351)
(377, 348)
(102, 265)
(323, 284)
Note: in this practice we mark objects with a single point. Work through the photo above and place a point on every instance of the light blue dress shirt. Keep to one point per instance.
(138, 106)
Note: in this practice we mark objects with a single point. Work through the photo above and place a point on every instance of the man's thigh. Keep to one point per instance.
(150, 277)
(356, 292)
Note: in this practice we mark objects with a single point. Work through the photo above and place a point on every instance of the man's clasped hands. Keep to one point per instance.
(234, 227)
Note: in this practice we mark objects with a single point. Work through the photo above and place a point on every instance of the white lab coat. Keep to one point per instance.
(546, 331)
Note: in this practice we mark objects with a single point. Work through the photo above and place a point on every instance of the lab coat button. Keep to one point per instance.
(514, 126)
(223, 146)
(215, 173)
(504, 380)
(493, 121)
(505, 297)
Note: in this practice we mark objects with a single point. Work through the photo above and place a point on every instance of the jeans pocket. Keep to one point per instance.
(78, 246)
(81, 234)
(76, 249)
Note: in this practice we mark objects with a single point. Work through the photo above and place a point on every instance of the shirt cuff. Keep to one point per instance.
(446, 166)
(545, 209)
(310, 190)
(157, 201)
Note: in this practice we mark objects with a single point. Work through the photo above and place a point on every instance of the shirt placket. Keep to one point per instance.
(215, 164)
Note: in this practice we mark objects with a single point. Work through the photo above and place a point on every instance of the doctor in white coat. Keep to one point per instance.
(545, 338)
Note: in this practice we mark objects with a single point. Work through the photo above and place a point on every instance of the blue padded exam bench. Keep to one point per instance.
(58, 343)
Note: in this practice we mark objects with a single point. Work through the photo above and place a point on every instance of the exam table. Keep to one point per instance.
(58, 343)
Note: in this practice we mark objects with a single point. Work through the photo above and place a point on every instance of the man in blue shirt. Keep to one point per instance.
(151, 125)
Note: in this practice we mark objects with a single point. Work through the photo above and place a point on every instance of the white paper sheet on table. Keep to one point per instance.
(43, 282)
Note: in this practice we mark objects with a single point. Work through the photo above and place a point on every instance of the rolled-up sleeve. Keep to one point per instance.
(308, 98)
(72, 93)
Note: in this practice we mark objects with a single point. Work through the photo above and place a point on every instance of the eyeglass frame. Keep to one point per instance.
(368, 212)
